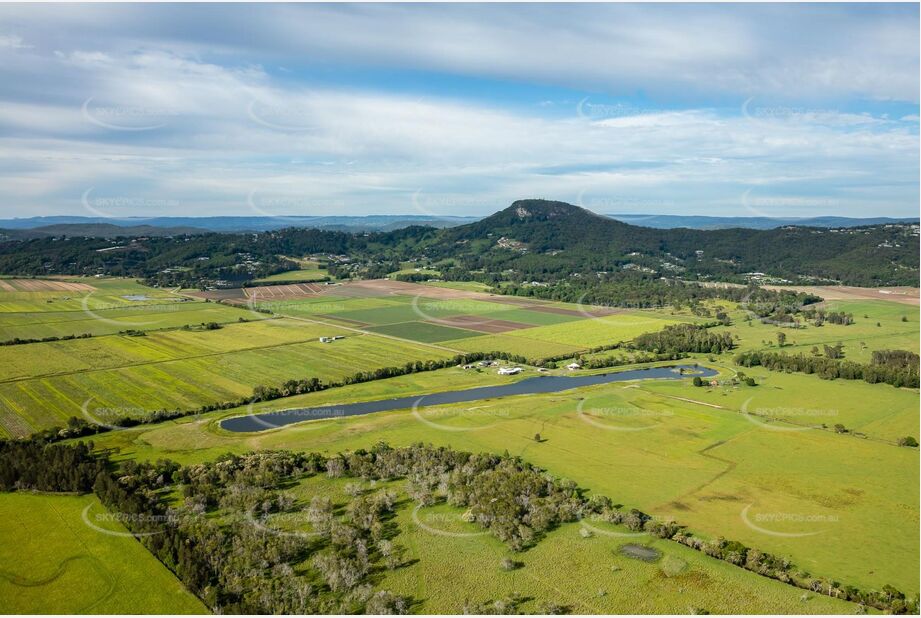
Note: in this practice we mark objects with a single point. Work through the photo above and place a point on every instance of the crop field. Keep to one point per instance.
(43, 384)
(38, 295)
(458, 318)
(669, 448)
(36, 325)
(53, 562)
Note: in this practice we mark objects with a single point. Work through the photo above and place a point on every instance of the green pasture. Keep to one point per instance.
(593, 332)
(699, 464)
(449, 560)
(859, 339)
(53, 562)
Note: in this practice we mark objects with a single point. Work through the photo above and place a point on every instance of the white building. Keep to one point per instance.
(509, 371)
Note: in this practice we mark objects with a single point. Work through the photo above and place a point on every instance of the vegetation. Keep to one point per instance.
(542, 241)
(515, 501)
(896, 367)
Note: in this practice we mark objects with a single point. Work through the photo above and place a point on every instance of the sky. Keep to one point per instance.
(437, 109)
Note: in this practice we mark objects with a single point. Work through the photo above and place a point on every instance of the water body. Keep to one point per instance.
(538, 384)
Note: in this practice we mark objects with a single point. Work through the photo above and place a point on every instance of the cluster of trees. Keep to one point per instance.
(216, 545)
(602, 362)
(37, 466)
(680, 338)
(820, 316)
(894, 373)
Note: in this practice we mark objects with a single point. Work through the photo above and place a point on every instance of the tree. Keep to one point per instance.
(537, 437)
(908, 441)
(698, 381)
(781, 338)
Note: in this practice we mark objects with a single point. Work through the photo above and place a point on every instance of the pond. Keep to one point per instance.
(528, 386)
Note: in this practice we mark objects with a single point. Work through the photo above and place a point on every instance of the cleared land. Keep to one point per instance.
(904, 295)
(52, 562)
(451, 560)
(651, 446)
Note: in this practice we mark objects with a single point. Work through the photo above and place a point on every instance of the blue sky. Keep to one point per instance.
(739, 110)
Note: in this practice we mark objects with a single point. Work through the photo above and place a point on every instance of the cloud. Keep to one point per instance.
(175, 111)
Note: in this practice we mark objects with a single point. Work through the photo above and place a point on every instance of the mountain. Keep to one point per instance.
(539, 238)
(96, 230)
(366, 223)
(531, 240)
(699, 222)
(384, 223)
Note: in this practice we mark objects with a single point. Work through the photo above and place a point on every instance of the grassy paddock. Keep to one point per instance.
(52, 562)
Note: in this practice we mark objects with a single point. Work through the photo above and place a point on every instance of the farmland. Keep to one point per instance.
(699, 464)
(706, 457)
(72, 568)
(450, 560)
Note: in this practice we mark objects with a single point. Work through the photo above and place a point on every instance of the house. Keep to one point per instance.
(509, 371)
(325, 339)
(573, 366)
(486, 363)
(714, 382)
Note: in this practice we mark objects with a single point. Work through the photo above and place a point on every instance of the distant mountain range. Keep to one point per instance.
(370, 223)
(34, 227)
(699, 222)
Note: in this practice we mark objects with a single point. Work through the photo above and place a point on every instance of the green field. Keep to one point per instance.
(859, 339)
(304, 275)
(760, 464)
(45, 383)
(698, 464)
(451, 560)
(52, 562)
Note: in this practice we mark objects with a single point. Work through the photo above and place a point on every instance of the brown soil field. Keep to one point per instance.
(905, 295)
(44, 285)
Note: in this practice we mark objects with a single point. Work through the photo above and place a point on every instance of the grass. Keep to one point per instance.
(859, 339)
(512, 343)
(304, 275)
(564, 568)
(51, 562)
(598, 331)
(637, 444)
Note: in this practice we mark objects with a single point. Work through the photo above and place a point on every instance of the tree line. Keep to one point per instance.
(898, 368)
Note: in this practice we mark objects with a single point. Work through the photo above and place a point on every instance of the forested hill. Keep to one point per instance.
(539, 235)
(532, 240)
